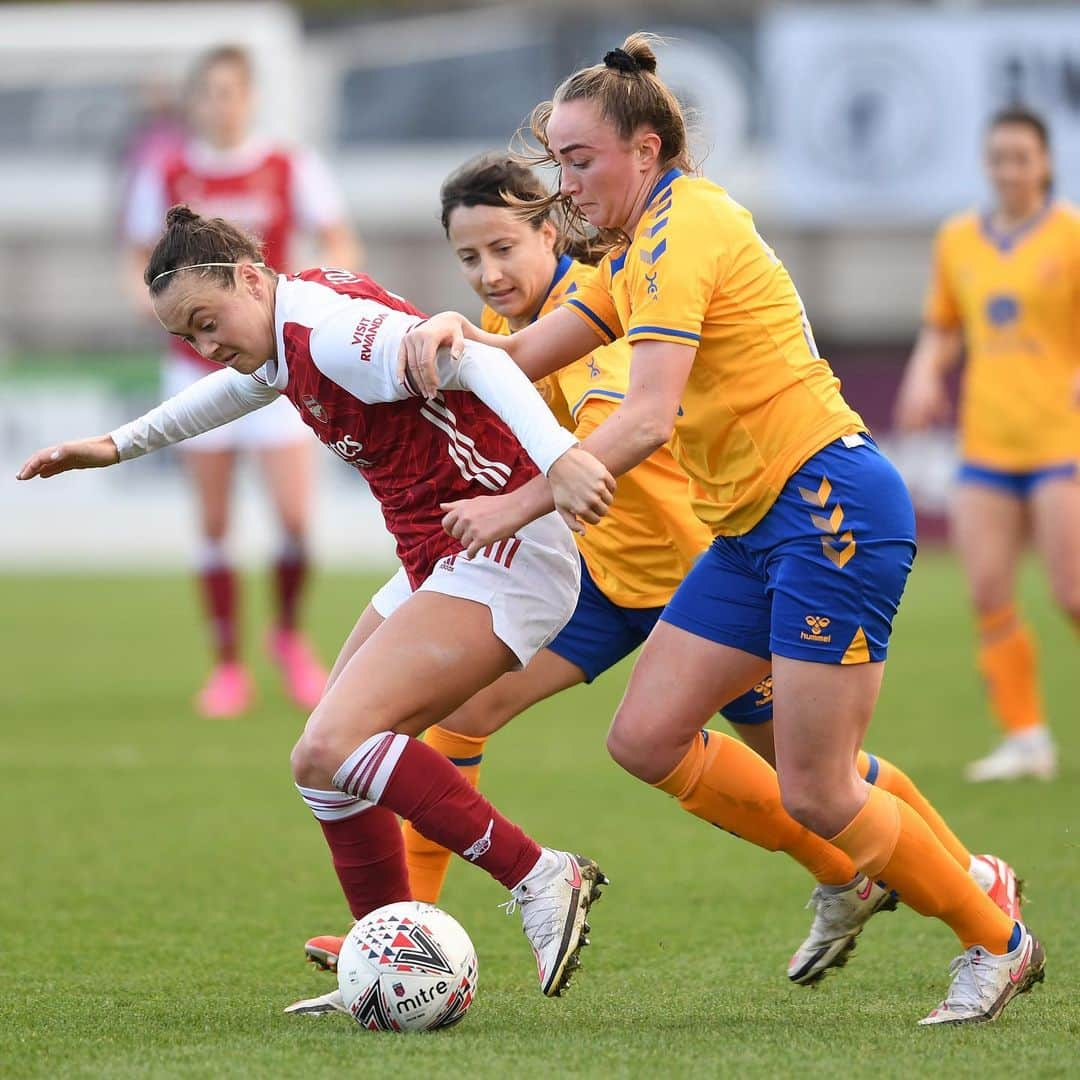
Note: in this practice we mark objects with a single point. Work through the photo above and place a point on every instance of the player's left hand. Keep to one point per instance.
(582, 487)
(482, 520)
(88, 454)
(418, 352)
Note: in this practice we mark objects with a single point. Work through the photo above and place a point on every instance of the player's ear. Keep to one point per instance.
(550, 234)
(648, 146)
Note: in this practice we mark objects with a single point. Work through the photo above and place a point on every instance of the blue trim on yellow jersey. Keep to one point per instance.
(613, 395)
(663, 184)
(617, 264)
(562, 268)
(664, 330)
(1005, 242)
(611, 335)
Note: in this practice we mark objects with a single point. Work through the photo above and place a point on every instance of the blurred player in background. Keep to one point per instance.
(814, 529)
(275, 192)
(1006, 287)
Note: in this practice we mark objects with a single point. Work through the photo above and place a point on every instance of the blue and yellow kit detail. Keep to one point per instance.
(759, 401)
(640, 552)
(1016, 297)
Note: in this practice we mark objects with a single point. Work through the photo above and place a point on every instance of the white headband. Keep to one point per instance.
(198, 266)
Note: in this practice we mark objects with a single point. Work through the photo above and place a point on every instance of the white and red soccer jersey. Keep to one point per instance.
(338, 333)
(272, 192)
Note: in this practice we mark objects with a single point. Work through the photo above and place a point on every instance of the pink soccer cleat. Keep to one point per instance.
(304, 676)
(228, 692)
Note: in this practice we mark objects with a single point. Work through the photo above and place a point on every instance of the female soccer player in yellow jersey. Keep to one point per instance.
(814, 530)
(1006, 286)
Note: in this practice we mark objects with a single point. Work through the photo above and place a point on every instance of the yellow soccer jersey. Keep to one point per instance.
(640, 552)
(759, 401)
(1017, 300)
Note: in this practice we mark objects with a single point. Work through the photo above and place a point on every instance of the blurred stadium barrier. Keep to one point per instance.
(849, 131)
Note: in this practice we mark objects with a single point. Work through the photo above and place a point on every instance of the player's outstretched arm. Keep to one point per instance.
(93, 453)
(547, 345)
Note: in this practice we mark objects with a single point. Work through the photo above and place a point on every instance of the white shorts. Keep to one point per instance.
(530, 584)
(274, 425)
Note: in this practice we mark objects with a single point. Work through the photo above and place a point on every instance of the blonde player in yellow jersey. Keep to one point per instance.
(1006, 286)
(814, 530)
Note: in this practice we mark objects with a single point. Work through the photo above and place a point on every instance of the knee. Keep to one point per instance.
(1067, 597)
(989, 595)
(630, 748)
(823, 808)
(315, 758)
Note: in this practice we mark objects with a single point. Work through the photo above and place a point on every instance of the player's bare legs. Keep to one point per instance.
(989, 529)
(1055, 513)
(289, 474)
(228, 690)
(357, 766)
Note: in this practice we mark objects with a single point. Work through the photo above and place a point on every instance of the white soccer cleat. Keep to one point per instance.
(998, 880)
(1016, 756)
(319, 1006)
(553, 909)
(839, 917)
(983, 984)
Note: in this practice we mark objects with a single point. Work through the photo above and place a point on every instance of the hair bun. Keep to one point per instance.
(621, 60)
(181, 214)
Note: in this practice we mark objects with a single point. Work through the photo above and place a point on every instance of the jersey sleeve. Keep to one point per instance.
(492, 376)
(672, 271)
(941, 308)
(357, 347)
(491, 322)
(592, 302)
(600, 376)
(207, 404)
(144, 215)
(319, 204)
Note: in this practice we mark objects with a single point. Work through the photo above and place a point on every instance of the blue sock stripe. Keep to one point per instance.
(871, 773)
(1014, 940)
(460, 761)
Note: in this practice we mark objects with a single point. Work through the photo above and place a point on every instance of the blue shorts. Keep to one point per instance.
(600, 633)
(821, 575)
(1018, 484)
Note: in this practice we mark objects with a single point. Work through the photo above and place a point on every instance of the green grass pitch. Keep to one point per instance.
(159, 874)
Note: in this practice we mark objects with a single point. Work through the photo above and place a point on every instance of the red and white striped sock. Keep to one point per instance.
(366, 846)
(419, 784)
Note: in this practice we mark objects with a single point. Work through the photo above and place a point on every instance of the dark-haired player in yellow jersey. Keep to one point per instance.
(1006, 287)
(813, 527)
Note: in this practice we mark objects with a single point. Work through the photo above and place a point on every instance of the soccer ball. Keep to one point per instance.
(407, 967)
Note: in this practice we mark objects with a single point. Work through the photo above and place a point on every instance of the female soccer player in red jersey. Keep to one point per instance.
(814, 529)
(1006, 288)
(327, 342)
(276, 193)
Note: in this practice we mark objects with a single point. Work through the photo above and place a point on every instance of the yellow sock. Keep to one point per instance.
(883, 774)
(1007, 661)
(426, 860)
(723, 781)
(888, 840)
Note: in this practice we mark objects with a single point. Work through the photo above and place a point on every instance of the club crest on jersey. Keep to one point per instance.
(653, 288)
(315, 409)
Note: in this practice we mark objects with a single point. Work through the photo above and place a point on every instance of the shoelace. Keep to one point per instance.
(967, 974)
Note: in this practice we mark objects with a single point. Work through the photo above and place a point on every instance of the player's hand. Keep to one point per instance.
(582, 487)
(482, 520)
(419, 348)
(86, 454)
(922, 402)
